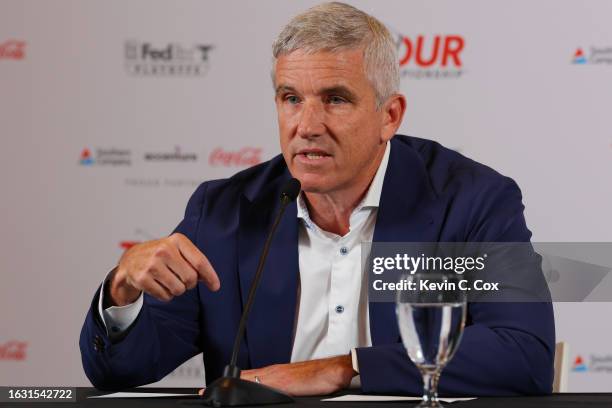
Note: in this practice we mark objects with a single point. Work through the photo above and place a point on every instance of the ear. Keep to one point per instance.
(392, 115)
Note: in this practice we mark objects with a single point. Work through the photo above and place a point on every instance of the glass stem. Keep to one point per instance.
(430, 386)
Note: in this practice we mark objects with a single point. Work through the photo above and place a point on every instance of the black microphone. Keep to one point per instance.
(230, 390)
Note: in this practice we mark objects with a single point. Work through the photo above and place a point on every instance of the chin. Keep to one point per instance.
(313, 184)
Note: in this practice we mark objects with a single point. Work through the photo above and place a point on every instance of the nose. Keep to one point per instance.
(311, 122)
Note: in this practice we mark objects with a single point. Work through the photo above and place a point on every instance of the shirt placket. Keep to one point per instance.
(338, 303)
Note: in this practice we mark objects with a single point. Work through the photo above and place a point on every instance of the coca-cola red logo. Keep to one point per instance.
(13, 350)
(12, 49)
(247, 156)
(441, 50)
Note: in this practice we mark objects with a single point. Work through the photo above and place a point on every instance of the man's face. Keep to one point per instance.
(330, 129)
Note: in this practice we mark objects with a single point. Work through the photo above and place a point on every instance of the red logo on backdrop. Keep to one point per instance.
(142, 235)
(12, 49)
(426, 52)
(247, 156)
(128, 244)
(430, 56)
(13, 350)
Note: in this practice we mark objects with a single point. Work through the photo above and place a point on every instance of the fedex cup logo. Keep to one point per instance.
(440, 50)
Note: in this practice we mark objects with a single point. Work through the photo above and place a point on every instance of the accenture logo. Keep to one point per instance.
(596, 56)
(172, 59)
(176, 156)
(430, 56)
(12, 49)
(245, 157)
(13, 350)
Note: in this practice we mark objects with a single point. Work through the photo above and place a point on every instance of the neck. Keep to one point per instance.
(332, 211)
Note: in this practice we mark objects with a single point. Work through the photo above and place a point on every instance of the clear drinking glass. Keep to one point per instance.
(431, 323)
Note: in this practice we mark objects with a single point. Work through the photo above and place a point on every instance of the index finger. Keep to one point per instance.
(199, 261)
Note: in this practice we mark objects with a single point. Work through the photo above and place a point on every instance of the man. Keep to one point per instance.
(311, 329)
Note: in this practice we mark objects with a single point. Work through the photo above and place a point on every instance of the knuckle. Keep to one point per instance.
(162, 251)
(200, 265)
(150, 268)
(191, 281)
(177, 290)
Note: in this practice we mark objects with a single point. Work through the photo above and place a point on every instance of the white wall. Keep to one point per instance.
(520, 105)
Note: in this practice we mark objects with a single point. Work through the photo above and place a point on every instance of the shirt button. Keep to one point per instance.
(344, 250)
(339, 309)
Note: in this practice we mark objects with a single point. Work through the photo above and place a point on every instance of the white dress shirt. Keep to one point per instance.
(332, 315)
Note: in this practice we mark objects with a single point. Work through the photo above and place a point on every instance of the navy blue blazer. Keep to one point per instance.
(430, 194)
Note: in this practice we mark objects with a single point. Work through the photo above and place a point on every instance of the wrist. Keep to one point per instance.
(344, 370)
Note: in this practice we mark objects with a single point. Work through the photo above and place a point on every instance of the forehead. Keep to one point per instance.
(321, 69)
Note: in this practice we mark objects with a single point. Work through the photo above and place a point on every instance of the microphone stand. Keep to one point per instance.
(230, 390)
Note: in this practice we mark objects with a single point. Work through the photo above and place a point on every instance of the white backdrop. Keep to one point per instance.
(102, 148)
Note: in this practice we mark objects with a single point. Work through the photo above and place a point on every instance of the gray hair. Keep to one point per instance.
(337, 27)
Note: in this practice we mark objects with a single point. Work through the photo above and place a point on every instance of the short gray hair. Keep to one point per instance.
(337, 27)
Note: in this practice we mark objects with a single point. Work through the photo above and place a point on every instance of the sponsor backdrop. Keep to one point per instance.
(112, 112)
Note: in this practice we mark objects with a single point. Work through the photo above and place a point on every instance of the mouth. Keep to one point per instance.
(312, 154)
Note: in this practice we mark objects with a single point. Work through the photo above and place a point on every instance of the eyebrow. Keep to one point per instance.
(284, 88)
(339, 90)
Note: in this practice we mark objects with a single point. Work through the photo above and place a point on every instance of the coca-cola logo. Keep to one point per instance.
(13, 350)
(247, 156)
(12, 49)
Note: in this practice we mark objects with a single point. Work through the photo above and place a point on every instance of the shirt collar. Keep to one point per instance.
(372, 197)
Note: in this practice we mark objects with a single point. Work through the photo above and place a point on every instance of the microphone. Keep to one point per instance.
(230, 390)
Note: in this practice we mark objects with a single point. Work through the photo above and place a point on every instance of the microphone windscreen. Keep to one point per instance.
(291, 189)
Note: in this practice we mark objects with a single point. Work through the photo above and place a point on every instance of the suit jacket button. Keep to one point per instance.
(98, 344)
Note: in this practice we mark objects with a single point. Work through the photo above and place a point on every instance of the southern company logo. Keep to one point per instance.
(598, 363)
(12, 49)
(596, 56)
(86, 159)
(143, 58)
(106, 157)
(430, 57)
(579, 365)
(579, 57)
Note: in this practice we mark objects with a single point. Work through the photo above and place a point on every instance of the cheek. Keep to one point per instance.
(361, 140)
(286, 121)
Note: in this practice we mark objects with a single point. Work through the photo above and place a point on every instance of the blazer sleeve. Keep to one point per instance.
(163, 336)
(506, 349)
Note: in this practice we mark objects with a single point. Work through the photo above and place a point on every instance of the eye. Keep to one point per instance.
(292, 99)
(336, 100)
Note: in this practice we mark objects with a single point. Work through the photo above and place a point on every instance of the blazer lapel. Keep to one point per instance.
(270, 324)
(407, 213)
